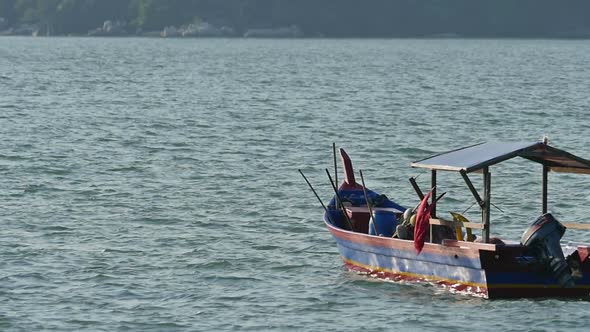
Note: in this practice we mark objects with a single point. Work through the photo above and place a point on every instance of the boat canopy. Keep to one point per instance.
(477, 157)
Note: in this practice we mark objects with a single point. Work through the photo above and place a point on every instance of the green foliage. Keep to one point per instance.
(338, 18)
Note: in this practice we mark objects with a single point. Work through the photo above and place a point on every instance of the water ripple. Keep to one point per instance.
(152, 185)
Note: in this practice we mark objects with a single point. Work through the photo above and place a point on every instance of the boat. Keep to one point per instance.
(378, 237)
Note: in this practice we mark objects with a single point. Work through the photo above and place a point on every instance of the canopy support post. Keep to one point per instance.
(487, 194)
(545, 171)
(433, 202)
(472, 188)
(433, 198)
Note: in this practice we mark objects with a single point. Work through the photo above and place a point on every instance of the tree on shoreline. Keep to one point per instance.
(331, 18)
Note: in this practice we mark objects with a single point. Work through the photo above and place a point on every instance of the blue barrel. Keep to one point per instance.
(336, 219)
(386, 223)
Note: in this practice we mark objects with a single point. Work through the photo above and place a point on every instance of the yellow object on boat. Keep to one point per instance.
(460, 218)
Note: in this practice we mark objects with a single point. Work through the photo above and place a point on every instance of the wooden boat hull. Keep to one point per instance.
(535, 268)
(485, 270)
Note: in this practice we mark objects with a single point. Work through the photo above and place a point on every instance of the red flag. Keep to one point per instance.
(422, 223)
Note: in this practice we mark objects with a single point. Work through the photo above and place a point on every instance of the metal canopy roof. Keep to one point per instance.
(476, 157)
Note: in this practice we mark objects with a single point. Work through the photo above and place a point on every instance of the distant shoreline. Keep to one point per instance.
(307, 19)
(310, 37)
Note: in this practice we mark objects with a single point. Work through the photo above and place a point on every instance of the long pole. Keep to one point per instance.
(335, 172)
(368, 203)
(316, 195)
(416, 188)
(339, 201)
(471, 187)
(335, 164)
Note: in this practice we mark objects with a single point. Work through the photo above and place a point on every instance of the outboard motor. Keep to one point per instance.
(542, 238)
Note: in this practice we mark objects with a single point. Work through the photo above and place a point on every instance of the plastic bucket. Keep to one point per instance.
(385, 221)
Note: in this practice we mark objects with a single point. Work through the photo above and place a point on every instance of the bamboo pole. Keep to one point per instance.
(335, 164)
(339, 201)
(316, 195)
(369, 204)
(416, 188)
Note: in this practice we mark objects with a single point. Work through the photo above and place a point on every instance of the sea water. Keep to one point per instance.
(152, 184)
